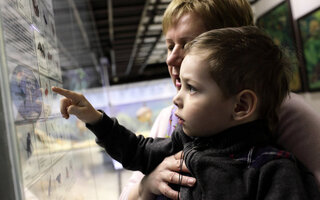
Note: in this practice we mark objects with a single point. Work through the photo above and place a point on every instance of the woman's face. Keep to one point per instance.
(183, 31)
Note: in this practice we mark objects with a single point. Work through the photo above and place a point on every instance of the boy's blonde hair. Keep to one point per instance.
(245, 58)
(214, 13)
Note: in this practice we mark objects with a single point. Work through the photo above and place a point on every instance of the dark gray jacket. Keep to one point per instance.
(238, 163)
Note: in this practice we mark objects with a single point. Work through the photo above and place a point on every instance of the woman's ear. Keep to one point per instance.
(245, 105)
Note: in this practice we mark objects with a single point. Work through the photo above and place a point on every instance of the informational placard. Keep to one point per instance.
(30, 58)
(18, 36)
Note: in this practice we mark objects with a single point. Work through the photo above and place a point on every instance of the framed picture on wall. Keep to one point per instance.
(252, 1)
(309, 26)
(278, 24)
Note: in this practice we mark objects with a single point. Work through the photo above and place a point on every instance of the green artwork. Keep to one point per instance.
(277, 24)
(310, 35)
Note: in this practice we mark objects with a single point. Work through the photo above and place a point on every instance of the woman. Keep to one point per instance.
(184, 20)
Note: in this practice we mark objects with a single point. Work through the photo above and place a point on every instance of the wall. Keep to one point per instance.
(299, 8)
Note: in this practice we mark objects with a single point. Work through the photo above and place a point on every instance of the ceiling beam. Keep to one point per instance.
(135, 46)
(112, 55)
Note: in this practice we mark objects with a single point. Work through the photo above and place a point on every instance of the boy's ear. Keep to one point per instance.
(245, 105)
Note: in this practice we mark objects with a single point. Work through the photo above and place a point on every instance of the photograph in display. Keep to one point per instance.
(59, 145)
(310, 35)
(25, 93)
(36, 13)
(44, 188)
(48, 22)
(41, 52)
(43, 143)
(59, 180)
(29, 160)
(46, 95)
(277, 23)
(63, 178)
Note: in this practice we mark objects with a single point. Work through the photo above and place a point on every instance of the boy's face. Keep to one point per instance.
(203, 110)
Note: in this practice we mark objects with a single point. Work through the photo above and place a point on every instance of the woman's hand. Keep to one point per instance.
(76, 104)
(167, 172)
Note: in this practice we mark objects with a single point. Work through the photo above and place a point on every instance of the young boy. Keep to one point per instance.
(233, 81)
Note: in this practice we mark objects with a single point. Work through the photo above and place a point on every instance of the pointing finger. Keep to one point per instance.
(67, 93)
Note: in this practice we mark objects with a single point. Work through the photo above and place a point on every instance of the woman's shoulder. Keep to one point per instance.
(298, 131)
(162, 123)
(166, 112)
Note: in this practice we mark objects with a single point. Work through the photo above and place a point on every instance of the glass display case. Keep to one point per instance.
(45, 43)
(42, 153)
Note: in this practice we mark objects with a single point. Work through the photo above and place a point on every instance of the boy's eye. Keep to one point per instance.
(191, 89)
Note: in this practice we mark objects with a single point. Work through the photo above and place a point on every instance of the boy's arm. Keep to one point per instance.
(134, 152)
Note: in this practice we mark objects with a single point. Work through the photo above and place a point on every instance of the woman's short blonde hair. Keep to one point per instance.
(214, 13)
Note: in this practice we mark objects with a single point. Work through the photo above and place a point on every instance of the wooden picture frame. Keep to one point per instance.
(278, 24)
(309, 34)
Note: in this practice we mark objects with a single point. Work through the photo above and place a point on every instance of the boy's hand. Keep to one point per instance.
(76, 104)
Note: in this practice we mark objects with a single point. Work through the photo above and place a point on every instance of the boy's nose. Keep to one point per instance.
(177, 100)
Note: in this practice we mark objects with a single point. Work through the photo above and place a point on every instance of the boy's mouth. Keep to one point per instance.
(180, 120)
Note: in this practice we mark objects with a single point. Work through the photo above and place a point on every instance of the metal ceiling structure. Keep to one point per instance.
(118, 40)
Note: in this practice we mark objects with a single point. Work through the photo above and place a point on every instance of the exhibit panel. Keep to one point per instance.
(36, 142)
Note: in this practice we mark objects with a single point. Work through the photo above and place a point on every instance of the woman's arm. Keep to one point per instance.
(156, 183)
(166, 172)
(299, 132)
(131, 189)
